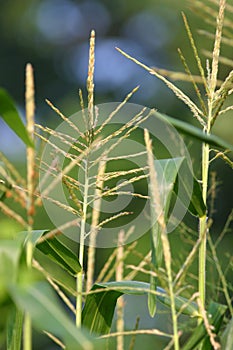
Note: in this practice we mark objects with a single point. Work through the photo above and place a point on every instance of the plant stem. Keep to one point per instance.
(27, 327)
(203, 225)
(79, 300)
(30, 113)
(167, 258)
(90, 90)
(95, 220)
(120, 302)
(155, 198)
(79, 281)
(27, 340)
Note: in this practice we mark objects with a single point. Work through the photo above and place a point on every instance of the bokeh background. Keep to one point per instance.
(53, 35)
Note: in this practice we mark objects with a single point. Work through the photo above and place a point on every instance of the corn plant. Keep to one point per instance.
(43, 270)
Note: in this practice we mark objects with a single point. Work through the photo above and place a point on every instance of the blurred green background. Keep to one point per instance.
(53, 35)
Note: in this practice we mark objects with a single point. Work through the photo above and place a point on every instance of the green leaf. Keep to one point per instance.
(227, 337)
(195, 132)
(56, 273)
(41, 303)
(10, 115)
(215, 314)
(12, 249)
(99, 307)
(8, 274)
(166, 171)
(10, 252)
(14, 329)
(31, 236)
(196, 206)
(61, 254)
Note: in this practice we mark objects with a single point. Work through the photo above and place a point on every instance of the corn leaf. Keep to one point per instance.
(196, 206)
(166, 172)
(55, 258)
(195, 132)
(99, 307)
(14, 329)
(61, 254)
(227, 337)
(32, 236)
(42, 304)
(9, 114)
(10, 251)
(56, 273)
(215, 314)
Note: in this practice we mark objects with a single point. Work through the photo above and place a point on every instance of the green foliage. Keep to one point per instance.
(197, 206)
(9, 114)
(100, 303)
(196, 133)
(166, 170)
(14, 329)
(215, 314)
(227, 336)
(62, 255)
(40, 301)
(31, 293)
(58, 274)
(36, 267)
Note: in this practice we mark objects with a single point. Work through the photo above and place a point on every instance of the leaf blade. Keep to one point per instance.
(14, 329)
(215, 314)
(166, 172)
(227, 336)
(195, 132)
(10, 115)
(102, 303)
(61, 254)
(41, 303)
(196, 205)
